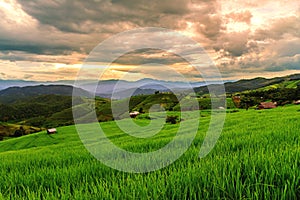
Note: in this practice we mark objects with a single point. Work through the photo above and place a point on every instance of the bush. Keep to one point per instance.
(172, 119)
(232, 111)
(19, 132)
(145, 116)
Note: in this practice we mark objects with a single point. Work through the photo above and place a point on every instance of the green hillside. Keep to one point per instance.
(285, 84)
(290, 81)
(41, 106)
(13, 94)
(56, 110)
(16, 130)
(256, 157)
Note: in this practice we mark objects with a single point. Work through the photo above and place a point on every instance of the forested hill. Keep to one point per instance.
(13, 94)
(291, 81)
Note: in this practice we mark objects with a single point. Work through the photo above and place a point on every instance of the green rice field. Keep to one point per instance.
(256, 157)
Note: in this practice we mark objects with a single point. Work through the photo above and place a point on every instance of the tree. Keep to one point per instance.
(172, 119)
(141, 110)
(19, 132)
(247, 102)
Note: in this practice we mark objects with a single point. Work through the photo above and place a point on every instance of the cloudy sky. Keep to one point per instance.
(50, 39)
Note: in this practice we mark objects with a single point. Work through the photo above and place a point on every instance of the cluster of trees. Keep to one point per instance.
(14, 130)
(172, 119)
(280, 95)
(38, 107)
(19, 132)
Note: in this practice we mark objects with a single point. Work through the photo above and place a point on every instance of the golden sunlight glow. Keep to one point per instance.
(59, 65)
(257, 21)
(189, 31)
(237, 27)
(62, 65)
(14, 12)
(6, 6)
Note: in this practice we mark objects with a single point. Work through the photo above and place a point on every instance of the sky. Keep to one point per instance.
(49, 40)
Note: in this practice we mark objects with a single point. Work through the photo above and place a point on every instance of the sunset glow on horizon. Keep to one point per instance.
(50, 40)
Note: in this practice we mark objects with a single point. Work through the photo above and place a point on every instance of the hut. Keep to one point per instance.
(266, 105)
(134, 114)
(236, 100)
(297, 102)
(51, 131)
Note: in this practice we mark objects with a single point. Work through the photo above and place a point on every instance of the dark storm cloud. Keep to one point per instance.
(114, 16)
(207, 19)
(234, 44)
(83, 16)
(41, 49)
(210, 26)
(65, 26)
(147, 56)
(60, 27)
(277, 67)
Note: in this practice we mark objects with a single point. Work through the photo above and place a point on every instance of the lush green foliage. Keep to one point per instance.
(291, 81)
(256, 157)
(172, 119)
(15, 130)
(56, 110)
(37, 106)
(280, 95)
(15, 94)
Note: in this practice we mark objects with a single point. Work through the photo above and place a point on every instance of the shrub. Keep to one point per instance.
(172, 119)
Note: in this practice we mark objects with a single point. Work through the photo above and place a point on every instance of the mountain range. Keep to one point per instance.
(105, 88)
(119, 89)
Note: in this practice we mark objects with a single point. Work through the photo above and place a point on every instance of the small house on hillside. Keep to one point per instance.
(297, 102)
(134, 114)
(266, 105)
(51, 131)
(236, 100)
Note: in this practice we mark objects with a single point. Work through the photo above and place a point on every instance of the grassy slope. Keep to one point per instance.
(285, 84)
(8, 129)
(257, 157)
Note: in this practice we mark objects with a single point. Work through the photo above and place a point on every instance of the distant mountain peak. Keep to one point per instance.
(14, 93)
